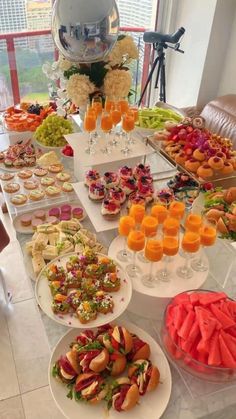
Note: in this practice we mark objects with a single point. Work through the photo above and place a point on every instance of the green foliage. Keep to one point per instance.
(72, 70)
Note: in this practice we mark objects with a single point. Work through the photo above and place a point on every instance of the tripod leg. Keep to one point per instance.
(163, 81)
(148, 80)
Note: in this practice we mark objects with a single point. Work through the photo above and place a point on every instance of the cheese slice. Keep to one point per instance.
(87, 391)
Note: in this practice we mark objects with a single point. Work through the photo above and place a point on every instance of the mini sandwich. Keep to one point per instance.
(50, 252)
(64, 247)
(53, 238)
(85, 337)
(46, 228)
(90, 387)
(70, 227)
(67, 367)
(117, 364)
(124, 395)
(118, 340)
(38, 263)
(93, 357)
(145, 375)
(140, 350)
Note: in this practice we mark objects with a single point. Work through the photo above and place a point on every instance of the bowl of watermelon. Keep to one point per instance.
(199, 334)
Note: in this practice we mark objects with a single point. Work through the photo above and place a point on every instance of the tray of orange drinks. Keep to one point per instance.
(160, 259)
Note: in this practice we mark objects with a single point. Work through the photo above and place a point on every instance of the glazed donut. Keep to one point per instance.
(216, 163)
(180, 158)
(205, 171)
(227, 168)
(199, 155)
(221, 155)
(192, 165)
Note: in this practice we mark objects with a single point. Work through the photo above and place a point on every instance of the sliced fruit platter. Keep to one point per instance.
(155, 118)
(199, 334)
(81, 288)
(27, 119)
(115, 369)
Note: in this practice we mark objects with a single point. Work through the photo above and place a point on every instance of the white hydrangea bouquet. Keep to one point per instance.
(80, 82)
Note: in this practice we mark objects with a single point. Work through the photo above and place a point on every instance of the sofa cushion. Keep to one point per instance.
(220, 116)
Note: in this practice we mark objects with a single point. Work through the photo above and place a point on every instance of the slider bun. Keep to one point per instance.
(100, 362)
(100, 396)
(142, 353)
(131, 398)
(230, 195)
(72, 357)
(214, 215)
(221, 227)
(154, 379)
(118, 366)
(128, 340)
(134, 367)
(84, 376)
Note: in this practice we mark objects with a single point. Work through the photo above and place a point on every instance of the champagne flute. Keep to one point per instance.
(128, 126)
(106, 126)
(207, 238)
(136, 242)
(170, 249)
(190, 244)
(89, 126)
(92, 112)
(137, 211)
(116, 118)
(153, 253)
(97, 106)
(124, 105)
(126, 224)
(109, 103)
(149, 227)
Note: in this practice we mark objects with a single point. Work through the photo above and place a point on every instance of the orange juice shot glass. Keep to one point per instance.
(153, 253)
(190, 244)
(207, 238)
(177, 209)
(137, 211)
(171, 226)
(160, 212)
(193, 222)
(149, 226)
(126, 225)
(136, 243)
(170, 249)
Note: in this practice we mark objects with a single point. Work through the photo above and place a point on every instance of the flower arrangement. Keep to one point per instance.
(80, 82)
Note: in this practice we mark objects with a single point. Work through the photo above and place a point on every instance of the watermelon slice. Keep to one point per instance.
(194, 332)
(214, 357)
(194, 298)
(227, 359)
(232, 331)
(184, 330)
(203, 346)
(179, 314)
(172, 332)
(230, 342)
(223, 306)
(207, 323)
(169, 314)
(222, 317)
(232, 308)
(183, 298)
(208, 298)
(186, 345)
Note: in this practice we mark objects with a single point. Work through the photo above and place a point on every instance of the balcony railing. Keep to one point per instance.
(16, 43)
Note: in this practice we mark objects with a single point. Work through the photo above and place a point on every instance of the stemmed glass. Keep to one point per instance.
(190, 244)
(106, 126)
(153, 253)
(177, 209)
(207, 238)
(124, 105)
(193, 223)
(160, 212)
(92, 112)
(97, 106)
(126, 224)
(109, 103)
(116, 118)
(149, 227)
(137, 211)
(89, 126)
(128, 126)
(170, 249)
(136, 242)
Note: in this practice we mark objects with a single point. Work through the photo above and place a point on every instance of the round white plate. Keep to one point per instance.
(46, 147)
(151, 406)
(121, 299)
(29, 230)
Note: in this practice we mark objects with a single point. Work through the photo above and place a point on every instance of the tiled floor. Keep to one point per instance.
(24, 348)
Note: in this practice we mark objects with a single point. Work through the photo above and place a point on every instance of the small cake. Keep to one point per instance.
(96, 191)
(7, 176)
(165, 196)
(41, 214)
(56, 168)
(141, 170)
(180, 158)
(31, 184)
(19, 199)
(110, 209)
(53, 191)
(146, 191)
(125, 172)
(216, 163)
(135, 198)
(67, 187)
(66, 209)
(25, 220)
(78, 213)
(18, 163)
(54, 212)
(205, 171)
(11, 187)
(91, 176)
(128, 185)
(63, 177)
(65, 217)
(47, 181)
(40, 172)
(145, 180)
(51, 220)
(192, 165)
(36, 195)
(227, 168)
(117, 195)
(199, 155)
(35, 223)
(8, 162)
(25, 174)
(110, 180)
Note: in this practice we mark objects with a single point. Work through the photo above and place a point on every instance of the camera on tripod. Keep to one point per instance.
(160, 43)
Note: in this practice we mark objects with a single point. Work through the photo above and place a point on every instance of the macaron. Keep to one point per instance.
(54, 212)
(65, 217)
(52, 220)
(35, 223)
(66, 209)
(78, 213)
(25, 220)
(40, 214)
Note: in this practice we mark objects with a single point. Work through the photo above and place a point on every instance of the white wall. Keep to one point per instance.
(228, 77)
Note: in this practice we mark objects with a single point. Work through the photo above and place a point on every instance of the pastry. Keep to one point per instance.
(67, 187)
(19, 199)
(227, 168)
(110, 180)
(135, 198)
(41, 214)
(18, 163)
(47, 181)
(35, 223)
(7, 176)
(25, 220)
(118, 339)
(86, 311)
(180, 158)
(199, 155)
(146, 191)
(11, 187)
(53, 191)
(104, 302)
(66, 209)
(117, 195)
(128, 185)
(25, 174)
(40, 172)
(96, 191)
(125, 172)
(192, 165)
(216, 163)
(84, 383)
(110, 209)
(54, 212)
(36, 195)
(165, 196)
(8, 163)
(63, 177)
(78, 213)
(2, 156)
(140, 350)
(221, 155)
(55, 168)
(141, 170)
(31, 184)
(205, 171)
(91, 176)
(125, 395)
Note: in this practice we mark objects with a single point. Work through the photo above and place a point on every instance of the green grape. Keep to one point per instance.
(51, 131)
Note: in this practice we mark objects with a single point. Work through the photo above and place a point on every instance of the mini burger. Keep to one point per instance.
(117, 364)
(144, 375)
(124, 395)
(67, 368)
(118, 340)
(90, 387)
(140, 349)
(93, 357)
